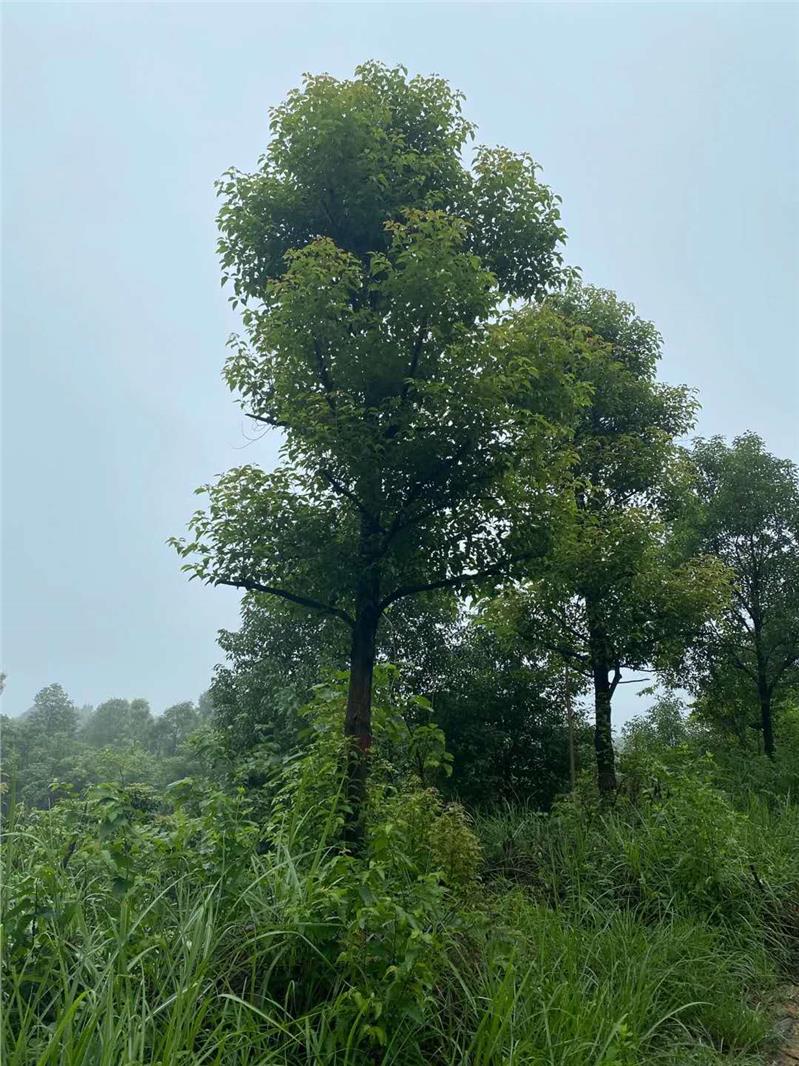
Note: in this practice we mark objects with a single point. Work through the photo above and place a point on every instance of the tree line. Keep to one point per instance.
(56, 748)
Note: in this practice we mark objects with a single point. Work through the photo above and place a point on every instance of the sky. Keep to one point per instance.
(671, 132)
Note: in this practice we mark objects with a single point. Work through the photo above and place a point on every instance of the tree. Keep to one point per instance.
(372, 266)
(118, 723)
(172, 728)
(663, 726)
(747, 513)
(39, 747)
(53, 712)
(615, 594)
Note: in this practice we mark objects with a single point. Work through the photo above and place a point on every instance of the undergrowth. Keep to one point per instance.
(226, 926)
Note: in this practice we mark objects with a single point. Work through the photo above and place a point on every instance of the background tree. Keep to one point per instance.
(747, 513)
(504, 716)
(53, 712)
(280, 652)
(615, 595)
(39, 748)
(171, 729)
(408, 410)
(118, 723)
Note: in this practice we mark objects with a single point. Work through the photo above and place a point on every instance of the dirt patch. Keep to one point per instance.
(787, 1027)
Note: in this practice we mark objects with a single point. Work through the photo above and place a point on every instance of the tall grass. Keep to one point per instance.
(651, 933)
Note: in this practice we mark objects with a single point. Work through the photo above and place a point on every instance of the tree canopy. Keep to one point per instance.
(420, 446)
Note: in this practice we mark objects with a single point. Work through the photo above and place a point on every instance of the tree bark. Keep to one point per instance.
(766, 724)
(603, 695)
(763, 688)
(358, 714)
(603, 735)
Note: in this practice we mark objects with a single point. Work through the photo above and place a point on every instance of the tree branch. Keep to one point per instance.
(265, 418)
(452, 582)
(417, 351)
(567, 653)
(348, 494)
(616, 679)
(419, 488)
(292, 597)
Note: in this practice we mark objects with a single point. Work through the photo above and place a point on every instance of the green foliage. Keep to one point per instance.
(226, 926)
(347, 157)
(50, 752)
(53, 712)
(616, 593)
(118, 723)
(503, 713)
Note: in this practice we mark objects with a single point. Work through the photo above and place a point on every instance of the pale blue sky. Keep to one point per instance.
(670, 131)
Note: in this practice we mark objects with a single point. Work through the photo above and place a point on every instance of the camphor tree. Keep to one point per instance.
(615, 594)
(747, 513)
(372, 267)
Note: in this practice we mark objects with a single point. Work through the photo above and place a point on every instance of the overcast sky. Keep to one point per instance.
(670, 131)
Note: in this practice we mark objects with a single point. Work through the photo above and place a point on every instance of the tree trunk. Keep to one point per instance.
(570, 726)
(603, 694)
(765, 718)
(358, 715)
(603, 735)
(763, 690)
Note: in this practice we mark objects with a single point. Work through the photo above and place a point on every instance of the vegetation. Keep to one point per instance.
(388, 833)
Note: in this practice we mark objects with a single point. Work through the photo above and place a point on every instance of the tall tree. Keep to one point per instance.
(372, 266)
(614, 595)
(747, 514)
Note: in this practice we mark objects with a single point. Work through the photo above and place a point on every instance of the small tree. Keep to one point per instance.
(747, 513)
(372, 266)
(614, 595)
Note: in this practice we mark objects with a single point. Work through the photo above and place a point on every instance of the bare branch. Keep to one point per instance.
(266, 419)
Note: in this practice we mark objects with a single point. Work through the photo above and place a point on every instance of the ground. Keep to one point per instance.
(788, 1028)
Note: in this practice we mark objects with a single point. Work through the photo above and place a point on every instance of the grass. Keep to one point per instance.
(653, 933)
